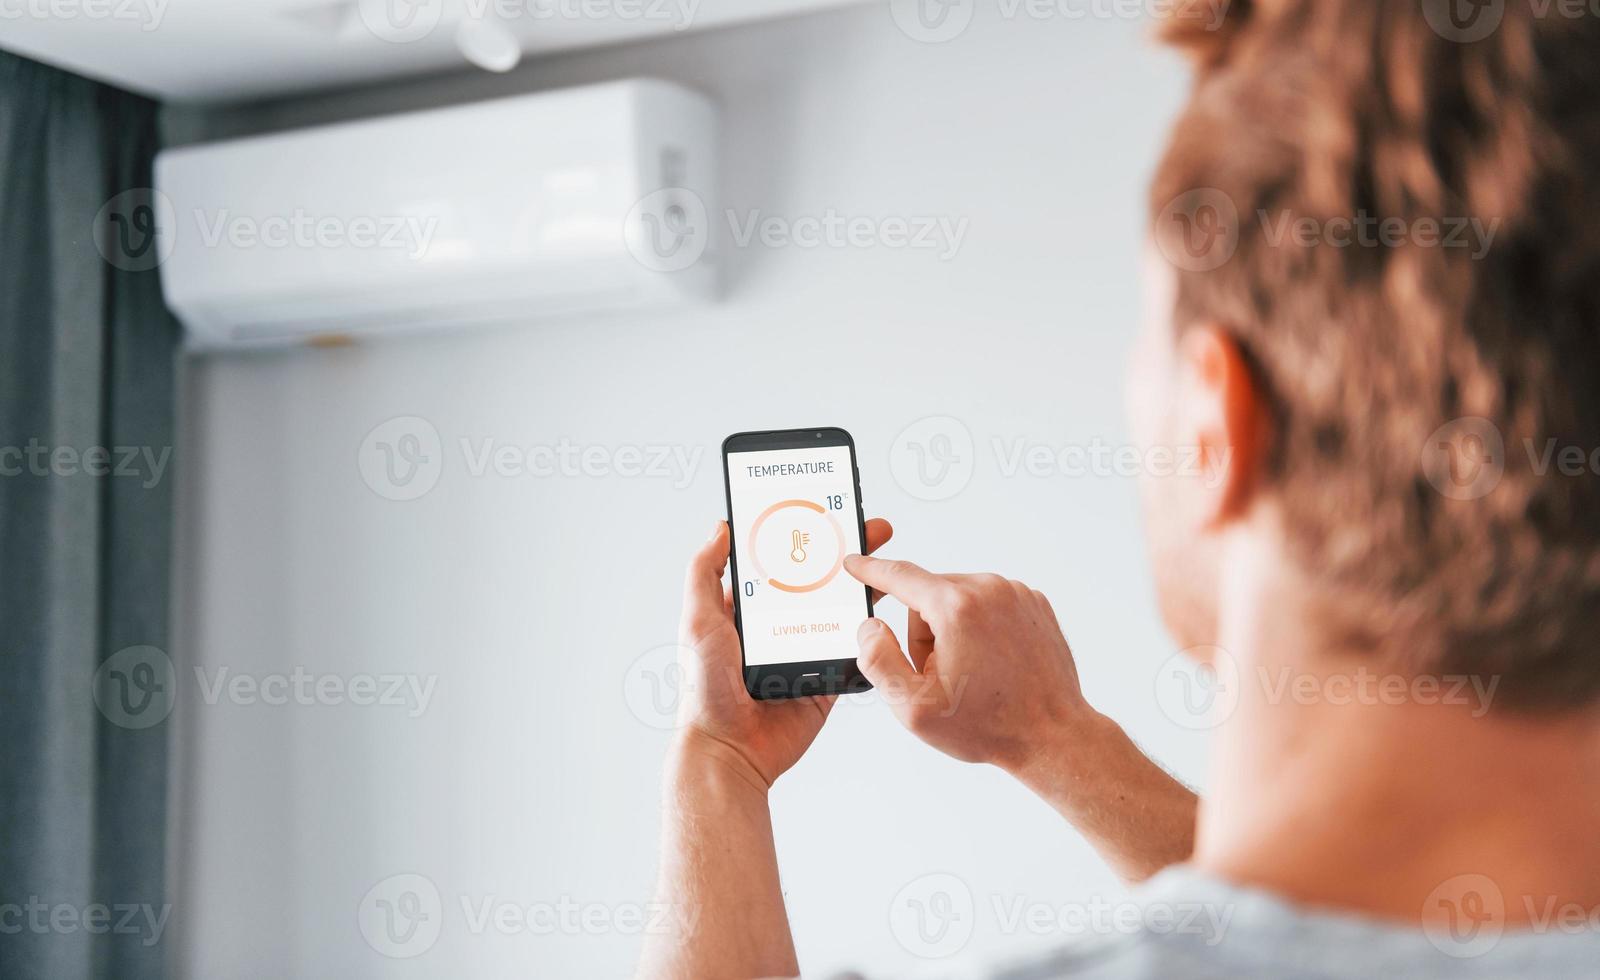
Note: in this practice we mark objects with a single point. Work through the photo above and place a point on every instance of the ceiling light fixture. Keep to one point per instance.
(488, 44)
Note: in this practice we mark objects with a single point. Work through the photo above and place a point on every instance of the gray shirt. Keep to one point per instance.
(1197, 926)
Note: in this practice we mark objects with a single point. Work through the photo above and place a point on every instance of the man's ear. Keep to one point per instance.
(1222, 412)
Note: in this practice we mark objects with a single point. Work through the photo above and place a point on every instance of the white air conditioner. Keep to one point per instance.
(578, 201)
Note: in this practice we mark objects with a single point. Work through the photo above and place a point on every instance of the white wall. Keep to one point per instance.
(529, 779)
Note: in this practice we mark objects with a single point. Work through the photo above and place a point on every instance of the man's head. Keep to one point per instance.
(1379, 305)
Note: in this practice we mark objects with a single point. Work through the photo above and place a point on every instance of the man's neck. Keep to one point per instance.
(1371, 798)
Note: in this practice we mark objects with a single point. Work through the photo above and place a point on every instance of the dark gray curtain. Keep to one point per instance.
(86, 417)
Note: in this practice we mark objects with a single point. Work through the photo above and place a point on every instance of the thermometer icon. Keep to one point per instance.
(799, 545)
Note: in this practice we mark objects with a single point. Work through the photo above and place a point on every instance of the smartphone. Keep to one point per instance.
(794, 507)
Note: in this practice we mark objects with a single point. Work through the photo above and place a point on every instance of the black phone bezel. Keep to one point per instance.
(781, 682)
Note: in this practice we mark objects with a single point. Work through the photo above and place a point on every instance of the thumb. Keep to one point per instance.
(885, 664)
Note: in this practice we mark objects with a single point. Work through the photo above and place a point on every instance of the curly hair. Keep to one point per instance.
(1436, 404)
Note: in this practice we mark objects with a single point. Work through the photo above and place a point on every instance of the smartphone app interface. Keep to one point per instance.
(794, 520)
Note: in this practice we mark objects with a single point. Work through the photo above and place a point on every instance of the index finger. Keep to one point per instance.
(913, 585)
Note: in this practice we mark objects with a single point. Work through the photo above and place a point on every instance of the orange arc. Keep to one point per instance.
(755, 529)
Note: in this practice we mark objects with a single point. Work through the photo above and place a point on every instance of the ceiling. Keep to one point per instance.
(227, 50)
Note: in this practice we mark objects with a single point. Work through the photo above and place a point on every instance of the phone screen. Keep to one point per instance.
(795, 514)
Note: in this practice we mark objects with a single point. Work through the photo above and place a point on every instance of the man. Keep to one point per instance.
(1361, 388)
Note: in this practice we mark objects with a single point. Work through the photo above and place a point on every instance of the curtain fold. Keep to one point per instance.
(87, 356)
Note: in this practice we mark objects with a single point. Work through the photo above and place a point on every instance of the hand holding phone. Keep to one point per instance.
(794, 507)
(717, 714)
